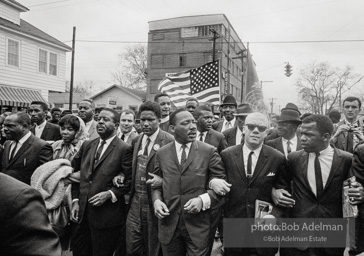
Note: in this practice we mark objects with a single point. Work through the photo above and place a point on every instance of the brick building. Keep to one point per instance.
(183, 43)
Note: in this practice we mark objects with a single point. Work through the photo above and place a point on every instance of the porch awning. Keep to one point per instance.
(18, 97)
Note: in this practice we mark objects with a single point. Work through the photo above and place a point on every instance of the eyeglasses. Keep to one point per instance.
(252, 127)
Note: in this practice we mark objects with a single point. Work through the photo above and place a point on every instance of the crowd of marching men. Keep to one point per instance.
(157, 182)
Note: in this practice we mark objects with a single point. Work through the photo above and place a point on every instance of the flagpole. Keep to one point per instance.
(246, 72)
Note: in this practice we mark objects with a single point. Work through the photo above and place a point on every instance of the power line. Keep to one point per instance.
(49, 3)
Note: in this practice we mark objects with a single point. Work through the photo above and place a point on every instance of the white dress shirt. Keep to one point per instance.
(224, 124)
(164, 119)
(39, 129)
(206, 201)
(255, 156)
(239, 136)
(119, 133)
(106, 145)
(152, 138)
(293, 144)
(20, 144)
(325, 158)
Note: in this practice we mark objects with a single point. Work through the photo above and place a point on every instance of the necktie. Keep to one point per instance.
(183, 156)
(201, 136)
(249, 165)
(289, 150)
(99, 151)
(122, 137)
(146, 147)
(350, 142)
(13, 150)
(228, 125)
(242, 139)
(318, 177)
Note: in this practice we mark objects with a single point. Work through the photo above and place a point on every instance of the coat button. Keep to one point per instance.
(90, 182)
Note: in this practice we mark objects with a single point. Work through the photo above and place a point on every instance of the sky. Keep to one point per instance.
(274, 29)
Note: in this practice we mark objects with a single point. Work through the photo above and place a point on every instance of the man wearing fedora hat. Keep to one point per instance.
(288, 122)
(235, 136)
(228, 108)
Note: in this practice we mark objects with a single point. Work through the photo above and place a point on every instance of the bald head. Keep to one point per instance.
(255, 130)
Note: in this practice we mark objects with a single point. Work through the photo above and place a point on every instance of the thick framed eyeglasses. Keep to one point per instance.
(252, 127)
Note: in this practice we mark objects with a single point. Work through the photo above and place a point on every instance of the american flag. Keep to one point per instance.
(201, 83)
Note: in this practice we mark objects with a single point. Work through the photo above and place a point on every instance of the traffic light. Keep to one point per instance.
(288, 69)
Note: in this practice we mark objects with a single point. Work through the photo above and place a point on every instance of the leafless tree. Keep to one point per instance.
(320, 86)
(85, 87)
(132, 69)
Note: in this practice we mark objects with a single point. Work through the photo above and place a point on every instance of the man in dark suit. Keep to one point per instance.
(23, 152)
(228, 108)
(235, 136)
(141, 223)
(251, 170)
(126, 131)
(204, 117)
(42, 129)
(25, 227)
(349, 132)
(183, 202)
(165, 103)
(288, 141)
(316, 175)
(86, 113)
(98, 206)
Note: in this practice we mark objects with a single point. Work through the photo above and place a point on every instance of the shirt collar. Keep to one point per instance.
(355, 123)
(164, 119)
(179, 145)
(232, 121)
(324, 152)
(42, 125)
(152, 137)
(256, 151)
(24, 138)
(108, 141)
(293, 140)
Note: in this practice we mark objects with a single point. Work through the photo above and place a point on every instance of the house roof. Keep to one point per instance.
(30, 30)
(16, 5)
(136, 93)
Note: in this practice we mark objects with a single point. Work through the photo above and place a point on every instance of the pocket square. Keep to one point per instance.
(271, 174)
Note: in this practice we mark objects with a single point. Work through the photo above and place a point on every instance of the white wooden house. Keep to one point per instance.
(31, 61)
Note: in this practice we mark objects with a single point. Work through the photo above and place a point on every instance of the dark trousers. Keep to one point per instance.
(142, 228)
(215, 221)
(90, 241)
(181, 244)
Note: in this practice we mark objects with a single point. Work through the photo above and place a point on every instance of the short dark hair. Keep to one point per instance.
(335, 114)
(351, 99)
(324, 123)
(89, 101)
(172, 117)
(116, 117)
(66, 112)
(156, 97)
(55, 109)
(43, 105)
(128, 111)
(22, 118)
(71, 120)
(151, 106)
(192, 99)
(199, 109)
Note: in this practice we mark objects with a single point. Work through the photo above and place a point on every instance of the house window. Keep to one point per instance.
(53, 64)
(13, 53)
(43, 61)
(182, 60)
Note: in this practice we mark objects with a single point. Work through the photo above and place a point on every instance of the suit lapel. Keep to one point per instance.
(107, 151)
(336, 164)
(6, 153)
(158, 141)
(262, 160)
(304, 170)
(191, 155)
(23, 148)
(280, 145)
(45, 131)
(208, 137)
(93, 152)
(239, 162)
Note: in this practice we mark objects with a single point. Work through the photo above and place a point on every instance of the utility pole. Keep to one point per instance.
(271, 104)
(72, 68)
(216, 36)
(246, 72)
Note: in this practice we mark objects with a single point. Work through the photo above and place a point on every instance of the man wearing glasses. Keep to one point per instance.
(251, 169)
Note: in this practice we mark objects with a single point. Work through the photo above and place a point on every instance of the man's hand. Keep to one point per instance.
(193, 205)
(118, 180)
(342, 128)
(220, 186)
(160, 209)
(356, 193)
(269, 221)
(358, 133)
(100, 198)
(75, 210)
(282, 198)
(155, 182)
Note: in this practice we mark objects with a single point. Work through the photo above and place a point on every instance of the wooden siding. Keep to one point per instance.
(27, 74)
(9, 13)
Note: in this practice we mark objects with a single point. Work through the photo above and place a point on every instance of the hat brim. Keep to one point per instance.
(290, 121)
(241, 114)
